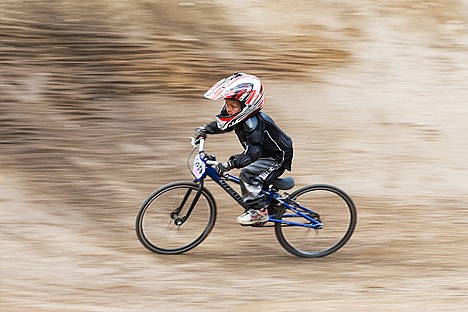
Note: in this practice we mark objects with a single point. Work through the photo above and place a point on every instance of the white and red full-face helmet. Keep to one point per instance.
(242, 87)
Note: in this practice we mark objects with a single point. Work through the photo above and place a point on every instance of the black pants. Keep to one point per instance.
(255, 176)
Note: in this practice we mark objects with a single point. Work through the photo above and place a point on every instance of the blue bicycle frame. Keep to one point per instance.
(204, 166)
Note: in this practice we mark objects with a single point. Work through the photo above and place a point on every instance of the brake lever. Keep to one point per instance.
(210, 157)
(194, 141)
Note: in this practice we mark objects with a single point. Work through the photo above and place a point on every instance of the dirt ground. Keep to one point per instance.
(97, 100)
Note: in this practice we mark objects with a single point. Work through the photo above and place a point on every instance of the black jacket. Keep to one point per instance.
(260, 137)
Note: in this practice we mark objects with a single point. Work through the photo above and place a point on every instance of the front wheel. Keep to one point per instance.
(326, 204)
(176, 218)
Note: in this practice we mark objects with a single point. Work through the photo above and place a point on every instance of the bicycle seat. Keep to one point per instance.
(283, 183)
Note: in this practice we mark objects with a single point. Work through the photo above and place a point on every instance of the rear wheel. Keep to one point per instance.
(332, 207)
(164, 224)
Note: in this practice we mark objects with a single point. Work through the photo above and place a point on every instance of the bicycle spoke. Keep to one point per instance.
(332, 207)
(161, 225)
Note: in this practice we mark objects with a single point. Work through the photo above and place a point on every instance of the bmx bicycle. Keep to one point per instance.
(311, 222)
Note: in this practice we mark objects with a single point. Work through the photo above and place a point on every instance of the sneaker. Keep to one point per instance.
(253, 216)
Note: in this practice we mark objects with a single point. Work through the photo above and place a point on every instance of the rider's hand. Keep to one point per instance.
(222, 168)
(200, 132)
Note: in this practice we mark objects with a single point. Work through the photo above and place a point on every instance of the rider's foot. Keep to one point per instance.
(253, 216)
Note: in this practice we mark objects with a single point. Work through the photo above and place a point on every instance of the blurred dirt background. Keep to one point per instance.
(97, 99)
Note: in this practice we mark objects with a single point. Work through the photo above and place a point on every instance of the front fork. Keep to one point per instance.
(178, 220)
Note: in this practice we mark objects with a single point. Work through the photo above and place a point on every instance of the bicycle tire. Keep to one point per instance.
(339, 224)
(155, 224)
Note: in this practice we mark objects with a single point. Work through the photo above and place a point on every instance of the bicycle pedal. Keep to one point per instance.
(254, 224)
(258, 224)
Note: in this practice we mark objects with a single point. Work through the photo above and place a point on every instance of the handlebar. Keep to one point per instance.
(200, 142)
(201, 150)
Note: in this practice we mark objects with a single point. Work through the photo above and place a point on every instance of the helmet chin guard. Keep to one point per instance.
(245, 88)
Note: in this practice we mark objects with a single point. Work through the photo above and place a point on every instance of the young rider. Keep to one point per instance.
(268, 151)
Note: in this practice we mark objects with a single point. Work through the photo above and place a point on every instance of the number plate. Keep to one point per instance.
(199, 167)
